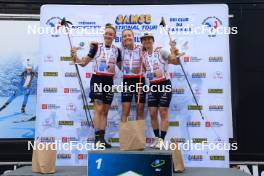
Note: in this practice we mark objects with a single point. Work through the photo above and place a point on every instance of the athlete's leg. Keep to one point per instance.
(142, 99)
(98, 113)
(153, 111)
(26, 94)
(10, 99)
(164, 103)
(103, 123)
(125, 111)
(140, 111)
(164, 123)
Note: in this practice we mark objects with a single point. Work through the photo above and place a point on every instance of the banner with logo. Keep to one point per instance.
(60, 113)
(19, 55)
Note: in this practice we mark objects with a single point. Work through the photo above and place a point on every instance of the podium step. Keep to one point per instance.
(145, 151)
(115, 162)
(82, 171)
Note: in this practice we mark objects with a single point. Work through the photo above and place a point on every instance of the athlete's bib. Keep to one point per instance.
(27, 80)
(131, 62)
(105, 60)
(156, 67)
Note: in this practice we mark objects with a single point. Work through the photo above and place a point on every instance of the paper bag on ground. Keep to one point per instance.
(44, 158)
(178, 163)
(132, 135)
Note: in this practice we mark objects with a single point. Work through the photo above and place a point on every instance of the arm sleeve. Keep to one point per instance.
(22, 74)
(92, 51)
(164, 54)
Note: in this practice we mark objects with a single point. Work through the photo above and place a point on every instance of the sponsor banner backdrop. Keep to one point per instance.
(60, 114)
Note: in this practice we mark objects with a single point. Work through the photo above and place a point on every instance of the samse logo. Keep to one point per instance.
(133, 19)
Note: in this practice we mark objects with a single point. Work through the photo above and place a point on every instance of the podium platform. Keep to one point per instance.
(83, 170)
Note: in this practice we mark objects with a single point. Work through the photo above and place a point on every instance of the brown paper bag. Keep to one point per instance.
(178, 163)
(43, 161)
(132, 135)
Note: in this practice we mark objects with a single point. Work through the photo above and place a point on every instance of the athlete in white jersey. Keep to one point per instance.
(106, 56)
(156, 62)
(132, 75)
(25, 86)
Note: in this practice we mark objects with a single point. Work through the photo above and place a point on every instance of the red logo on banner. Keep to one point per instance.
(64, 140)
(149, 140)
(81, 156)
(207, 124)
(44, 106)
(66, 90)
(186, 59)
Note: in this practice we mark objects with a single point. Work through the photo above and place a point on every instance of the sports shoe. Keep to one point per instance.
(157, 143)
(99, 139)
(107, 145)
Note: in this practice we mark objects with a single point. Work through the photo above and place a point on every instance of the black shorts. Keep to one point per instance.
(103, 95)
(161, 97)
(128, 95)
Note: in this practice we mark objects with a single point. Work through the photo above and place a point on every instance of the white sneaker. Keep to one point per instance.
(154, 143)
(157, 143)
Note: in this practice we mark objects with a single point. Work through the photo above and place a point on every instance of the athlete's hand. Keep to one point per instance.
(174, 51)
(93, 43)
(74, 54)
(172, 43)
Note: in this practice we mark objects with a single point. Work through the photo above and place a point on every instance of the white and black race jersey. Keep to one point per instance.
(105, 59)
(131, 62)
(156, 65)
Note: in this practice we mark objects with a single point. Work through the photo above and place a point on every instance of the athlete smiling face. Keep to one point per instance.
(128, 39)
(148, 42)
(109, 36)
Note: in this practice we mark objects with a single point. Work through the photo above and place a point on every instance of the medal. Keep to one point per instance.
(150, 76)
(111, 69)
(157, 73)
(102, 66)
(150, 62)
(126, 70)
(131, 56)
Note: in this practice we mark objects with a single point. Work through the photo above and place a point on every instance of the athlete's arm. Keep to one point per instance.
(174, 56)
(143, 64)
(85, 60)
(22, 74)
(142, 50)
(35, 74)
